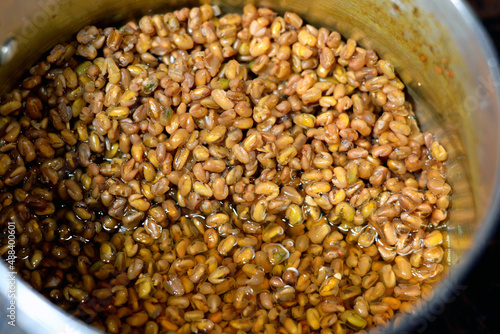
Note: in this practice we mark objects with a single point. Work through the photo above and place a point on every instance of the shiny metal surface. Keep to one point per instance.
(439, 50)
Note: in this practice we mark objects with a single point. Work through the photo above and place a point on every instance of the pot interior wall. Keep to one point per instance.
(446, 82)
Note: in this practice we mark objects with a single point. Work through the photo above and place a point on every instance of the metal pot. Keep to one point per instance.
(439, 50)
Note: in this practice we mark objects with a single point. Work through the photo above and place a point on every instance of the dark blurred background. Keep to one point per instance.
(488, 12)
(477, 309)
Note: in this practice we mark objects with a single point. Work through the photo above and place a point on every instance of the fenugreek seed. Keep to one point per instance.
(294, 215)
(217, 219)
(202, 189)
(399, 127)
(183, 41)
(220, 97)
(433, 238)
(218, 275)
(241, 154)
(216, 134)
(211, 238)
(266, 188)
(306, 120)
(313, 318)
(244, 255)
(438, 152)
(353, 320)
(286, 155)
(318, 232)
(9, 107)
(259, 210)
(276, 253)
(227, 245)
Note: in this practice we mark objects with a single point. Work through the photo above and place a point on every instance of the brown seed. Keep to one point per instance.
(74, 190)
(160, 187)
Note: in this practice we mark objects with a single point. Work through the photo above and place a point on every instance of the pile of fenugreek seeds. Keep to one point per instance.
(199, 172)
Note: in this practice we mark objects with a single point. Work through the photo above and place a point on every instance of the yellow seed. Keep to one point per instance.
(266, 188)
(250, 269)
(344, 210)
(368, 209)
(211, 264)
(353, 320)
(259, 46)
(339, 196)
(187, 284)
(144, 287)
(294, 215)
(220, 97)
(118, 112)
(290, 326)
(183, 41)
(259, 210)
(77, 106)
(218, 275)
(286, 154)
(216, 134)
(313, 316)
(327, 101)
(244, 255)
(128, 95)
(83, 67)
(438, 152)
(242, 325)
(433, 238)
(306, 120)
(139, 203)
(393, 303)
(112, 152)
(86, 181)
(302, 51)
(272, 232)
(341, 176)
(202, 189)
(306, 38)
(114, 74)
(387, 69)
(136, 69)
(343, 121)
(276, 253)
(226, 245)
(318, 188)
(339, 74)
